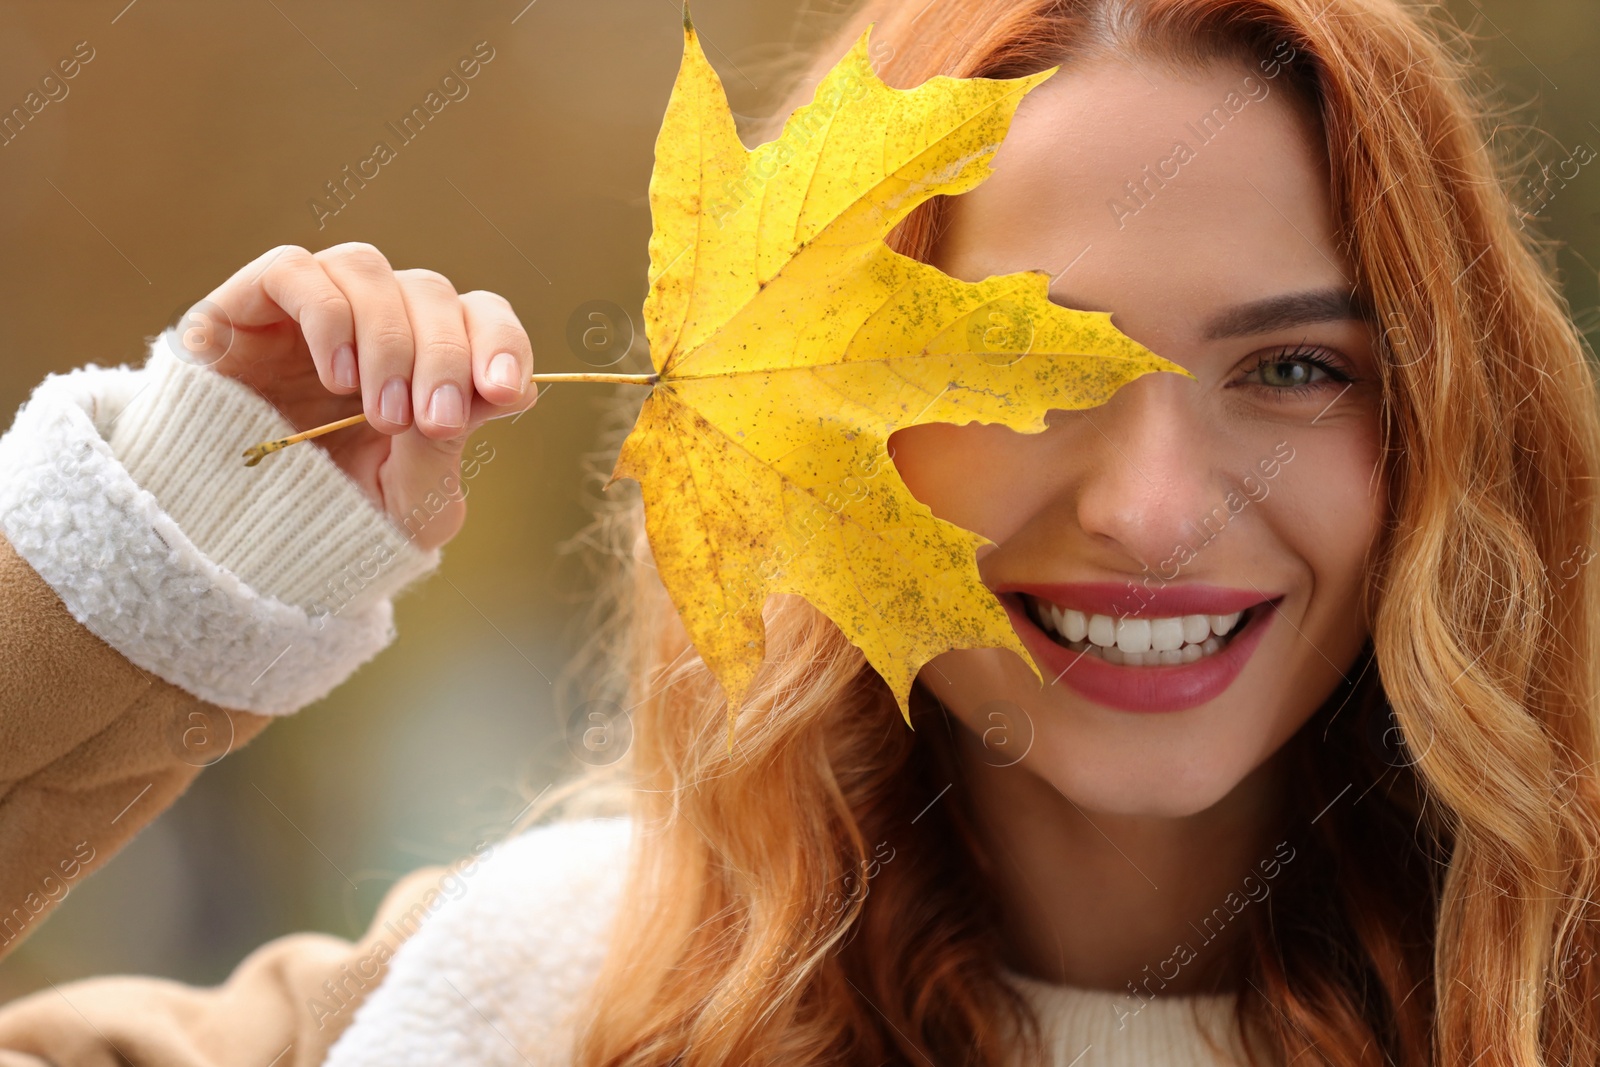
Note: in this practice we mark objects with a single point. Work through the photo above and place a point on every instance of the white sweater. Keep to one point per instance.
(257, 554)
(524, 938)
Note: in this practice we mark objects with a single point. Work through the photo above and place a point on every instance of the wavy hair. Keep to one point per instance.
(783, 906)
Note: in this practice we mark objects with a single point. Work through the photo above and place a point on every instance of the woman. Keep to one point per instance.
(1353, 822)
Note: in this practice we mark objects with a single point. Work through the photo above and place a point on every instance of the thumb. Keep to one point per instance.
(422, 487)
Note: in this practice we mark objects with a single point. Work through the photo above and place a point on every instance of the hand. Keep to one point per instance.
(324, 336)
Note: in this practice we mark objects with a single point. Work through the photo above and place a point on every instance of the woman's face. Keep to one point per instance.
(1194, 208)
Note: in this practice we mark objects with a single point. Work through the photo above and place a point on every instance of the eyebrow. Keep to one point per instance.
(1281, 312)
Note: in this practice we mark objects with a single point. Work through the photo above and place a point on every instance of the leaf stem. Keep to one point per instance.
(256, 453)
(596, 376)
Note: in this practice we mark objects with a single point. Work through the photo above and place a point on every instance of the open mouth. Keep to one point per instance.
(1144, 641)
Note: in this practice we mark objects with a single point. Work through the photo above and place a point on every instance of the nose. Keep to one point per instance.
(1148, 478)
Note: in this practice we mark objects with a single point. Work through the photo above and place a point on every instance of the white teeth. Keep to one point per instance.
(1133, 635)
(1166, 635)
(1073, 625)
(1221, 624)
(1139, 642)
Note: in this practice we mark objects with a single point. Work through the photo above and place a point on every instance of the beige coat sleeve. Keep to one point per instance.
(91, 749)
(283, 1006)
(94, 743)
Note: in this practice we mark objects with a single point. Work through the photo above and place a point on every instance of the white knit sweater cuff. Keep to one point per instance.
(295, 527)
(129, 571)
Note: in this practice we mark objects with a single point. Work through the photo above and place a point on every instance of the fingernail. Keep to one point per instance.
(344, 366)
(503, 371)
(394, 403)
(445, 407)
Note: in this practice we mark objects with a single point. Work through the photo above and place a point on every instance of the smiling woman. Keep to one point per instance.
(1255, 299)
(1311, 776)
(1332, 667)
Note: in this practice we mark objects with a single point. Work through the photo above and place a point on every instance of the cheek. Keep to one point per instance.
(935, 459)
(1000, 732)
(1329, 511)
(975, 476)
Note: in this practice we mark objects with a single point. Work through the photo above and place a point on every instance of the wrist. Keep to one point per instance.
(296, 528)
(134, 577)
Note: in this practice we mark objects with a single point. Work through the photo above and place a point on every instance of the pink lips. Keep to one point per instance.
(1128, 688)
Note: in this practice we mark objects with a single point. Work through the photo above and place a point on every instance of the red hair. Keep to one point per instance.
(1446, 917)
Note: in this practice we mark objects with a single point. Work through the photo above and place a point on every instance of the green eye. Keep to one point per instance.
(1295, 369)
(1284, 373)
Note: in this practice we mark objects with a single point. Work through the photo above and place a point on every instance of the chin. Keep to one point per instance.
(1139, 792)
(1166, 765)
(1143, 773)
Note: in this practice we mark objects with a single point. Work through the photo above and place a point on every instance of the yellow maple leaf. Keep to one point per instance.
(789, 341)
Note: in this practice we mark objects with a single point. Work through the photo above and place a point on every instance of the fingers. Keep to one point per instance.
(422, 483)
(441, 378)
(429, 364)
(420, 354)
(502, 356)
(471, 351)
(384, 339)
(287, 282)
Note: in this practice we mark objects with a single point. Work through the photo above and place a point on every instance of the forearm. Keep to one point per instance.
(156, 609)
(91, 748)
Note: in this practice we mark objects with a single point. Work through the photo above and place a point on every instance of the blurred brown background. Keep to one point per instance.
(194, 140)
